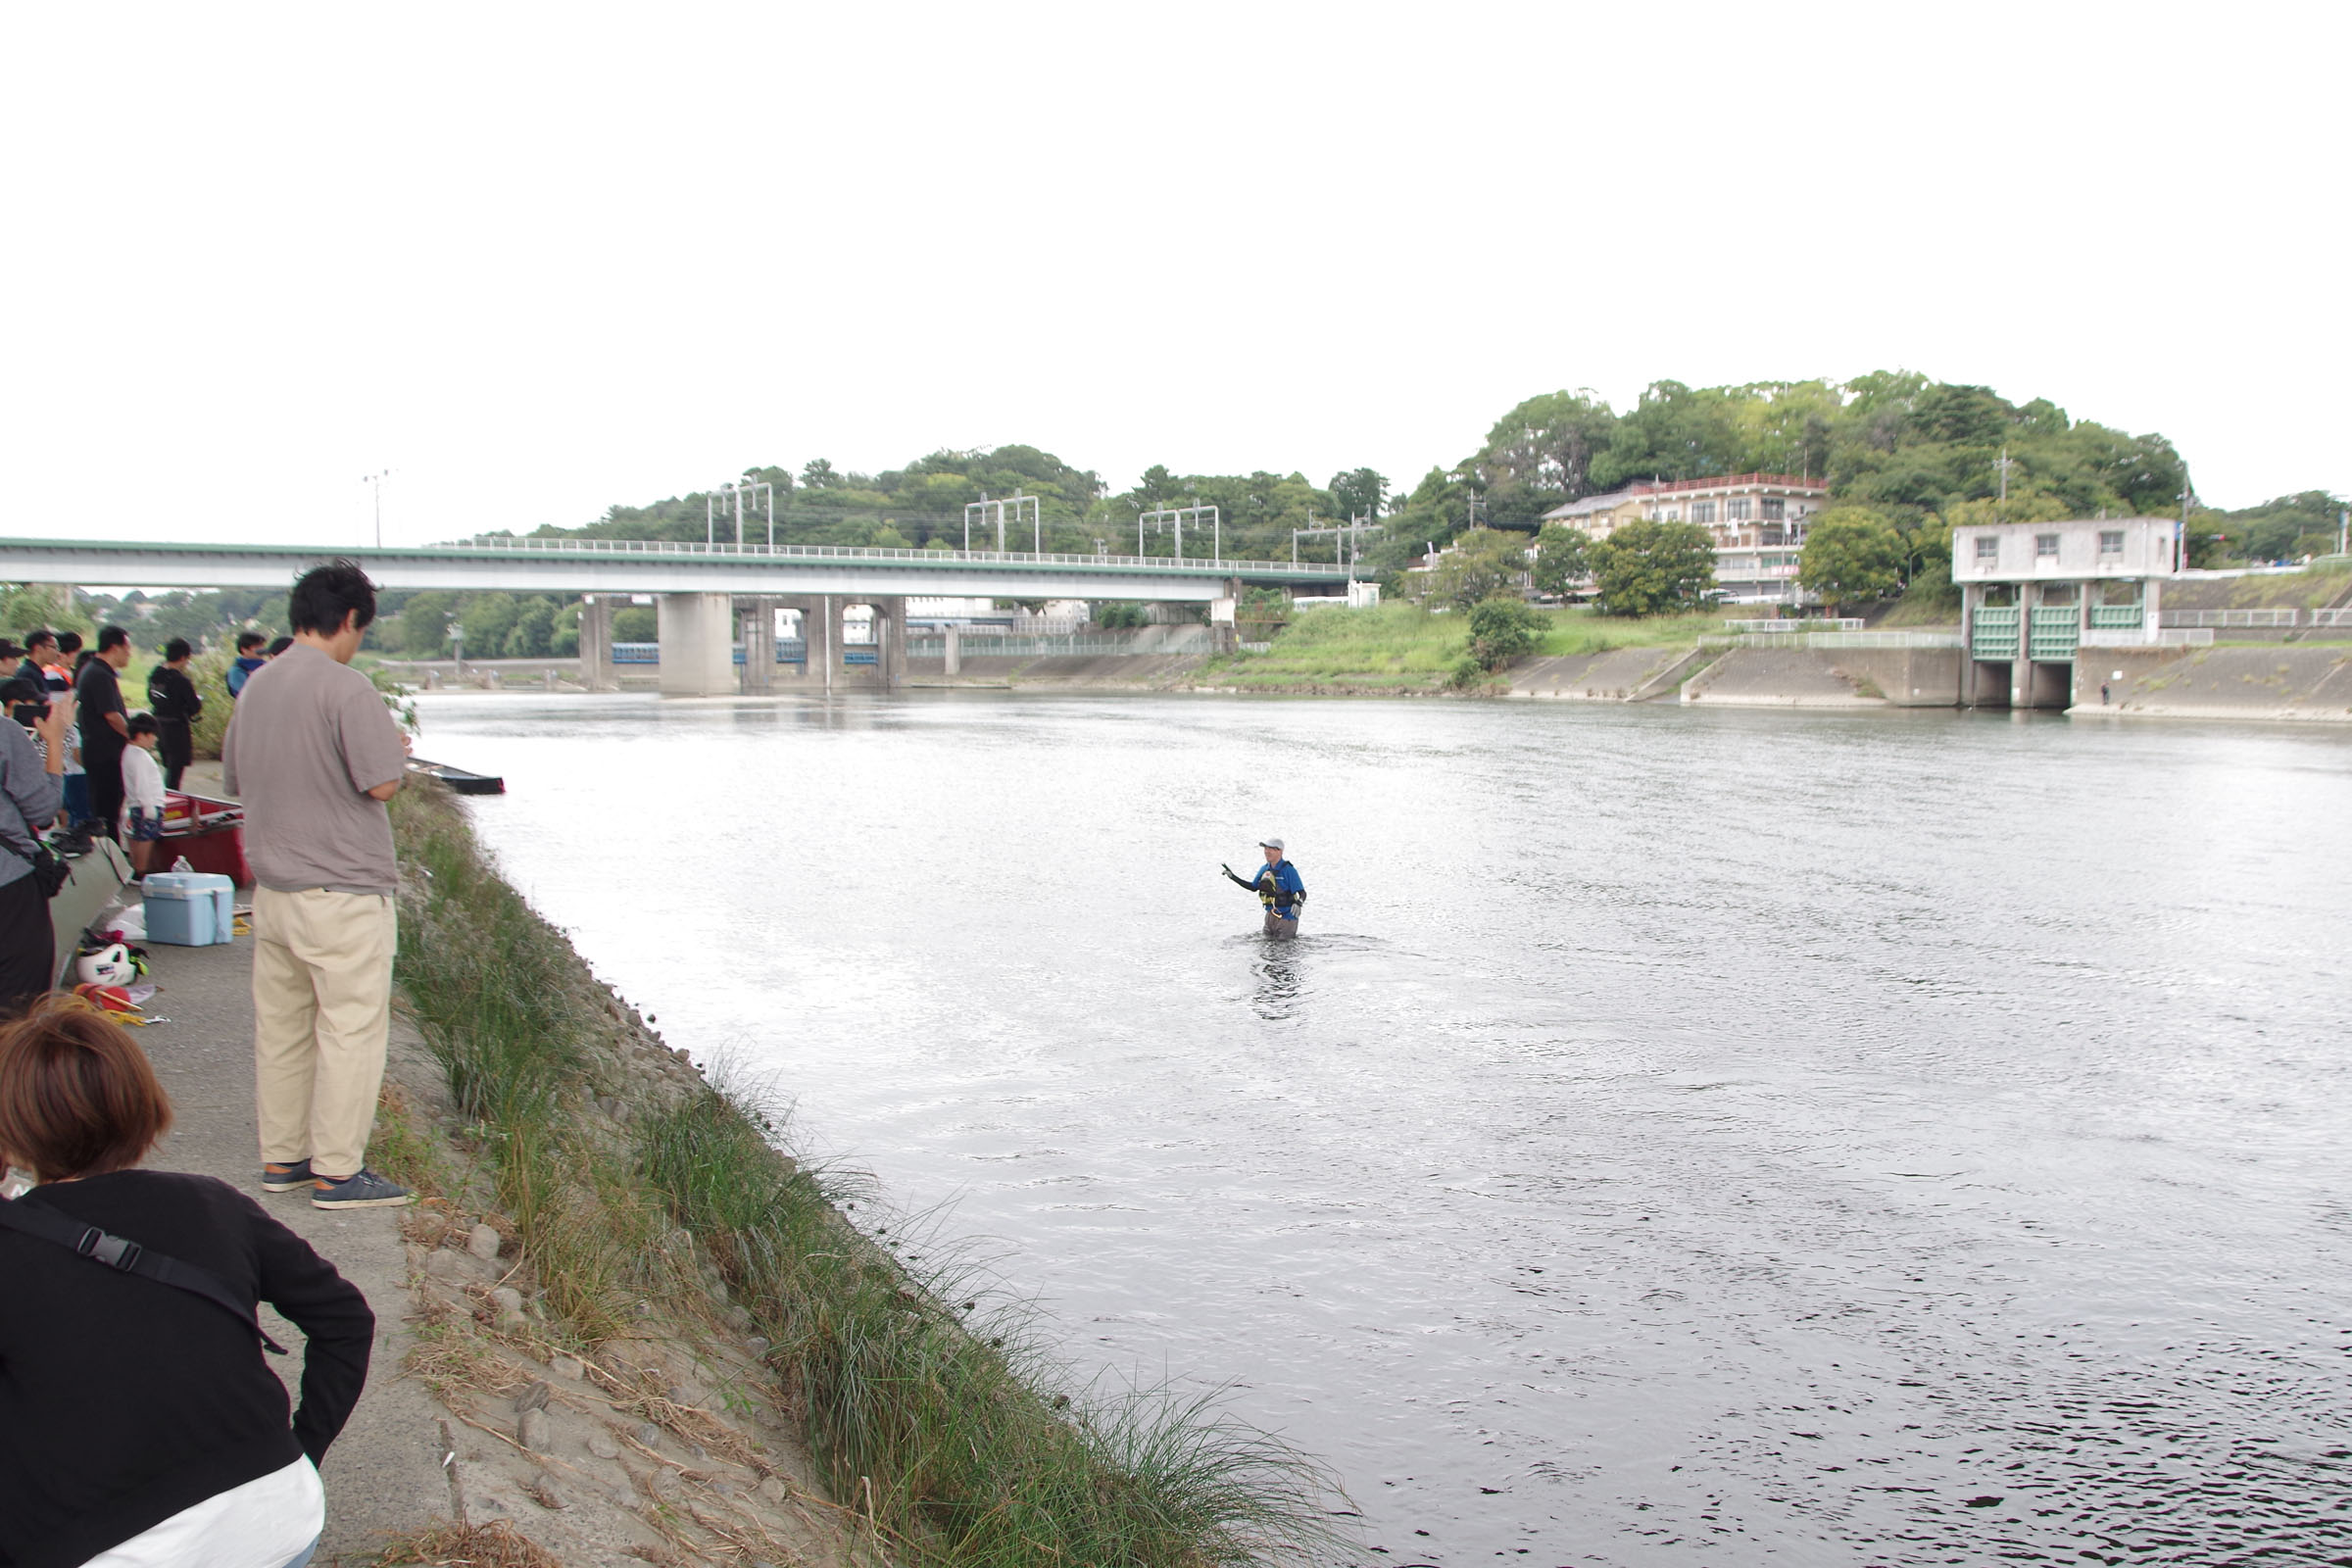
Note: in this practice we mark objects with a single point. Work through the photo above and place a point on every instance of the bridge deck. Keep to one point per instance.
(655, 566)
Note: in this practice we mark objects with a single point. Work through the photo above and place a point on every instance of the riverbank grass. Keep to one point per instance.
(926, 1400)
(1403, 647)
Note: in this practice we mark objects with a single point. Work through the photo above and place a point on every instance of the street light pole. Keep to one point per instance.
(376, 481)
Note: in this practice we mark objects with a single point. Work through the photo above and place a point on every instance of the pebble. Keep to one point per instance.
(695, 1451)
(482, 1242)
(568, 1366)
(648, 1434)
(602, 1445)
(756, 1345)
(531, 1431)
(456, 1267)
(508, 1298)
(685, 1393)
(726, 1488)
(772, 1488)
(543, 1489)
(534, 1397)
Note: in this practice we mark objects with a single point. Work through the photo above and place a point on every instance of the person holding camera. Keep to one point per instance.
(31, 789)
(139, 1424)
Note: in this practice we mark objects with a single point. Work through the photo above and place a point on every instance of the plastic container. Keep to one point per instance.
(190, 909)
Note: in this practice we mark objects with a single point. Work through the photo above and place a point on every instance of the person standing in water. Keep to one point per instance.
(1278, 887)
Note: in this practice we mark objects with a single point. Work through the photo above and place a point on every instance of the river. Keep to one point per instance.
(1680, 1138)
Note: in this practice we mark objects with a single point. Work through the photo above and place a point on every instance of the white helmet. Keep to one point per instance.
(108, 966)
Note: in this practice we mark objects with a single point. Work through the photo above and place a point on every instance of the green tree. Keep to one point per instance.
(636, 624)
(1501, 629)
(1649, 568)
(1853, 556)
(1360, 492)
(425, 624)
(533, 632)
(486, 618)
(1481, 564)
(1563, 557)
(1540, 454)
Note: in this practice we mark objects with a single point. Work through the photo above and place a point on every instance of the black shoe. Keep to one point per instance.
(366, 1190)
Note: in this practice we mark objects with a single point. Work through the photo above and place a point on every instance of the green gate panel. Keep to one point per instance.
(2056, 630)
(1996, 632)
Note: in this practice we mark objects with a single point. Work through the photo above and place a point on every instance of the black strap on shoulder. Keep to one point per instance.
(121, 1253)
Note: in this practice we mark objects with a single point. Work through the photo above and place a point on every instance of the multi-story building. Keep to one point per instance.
(1756, 519)
(1598, 517)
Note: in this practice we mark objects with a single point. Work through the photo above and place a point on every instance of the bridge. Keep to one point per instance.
(711, 597)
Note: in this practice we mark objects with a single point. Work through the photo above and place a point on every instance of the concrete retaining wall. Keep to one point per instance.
(2274, 683)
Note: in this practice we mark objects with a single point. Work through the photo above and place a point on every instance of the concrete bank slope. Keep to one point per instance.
(1103, 672)
(1619, 676)
(2295, 683)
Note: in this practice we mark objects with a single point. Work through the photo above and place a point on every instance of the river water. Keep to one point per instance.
(1679, 1137)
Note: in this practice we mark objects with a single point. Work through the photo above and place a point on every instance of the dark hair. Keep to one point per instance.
(83, 658)
(9, 650)
(325, 596)
(38, 636)
(176, 650)
(142, 724)
(23, 690)
(76, 1096)
(69, 643)
(277, 647)
(112, 637)
(249, 639)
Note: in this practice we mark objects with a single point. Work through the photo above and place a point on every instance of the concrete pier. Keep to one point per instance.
(697, 644)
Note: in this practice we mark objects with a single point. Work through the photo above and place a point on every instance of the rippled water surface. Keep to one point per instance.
(1680, 1138)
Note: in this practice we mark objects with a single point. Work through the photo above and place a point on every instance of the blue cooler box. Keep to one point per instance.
(190, 909)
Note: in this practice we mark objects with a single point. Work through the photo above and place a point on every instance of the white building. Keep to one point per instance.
(2034, 594)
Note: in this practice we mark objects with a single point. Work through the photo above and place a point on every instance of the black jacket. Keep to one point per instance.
(124, 1400)
(170, 695)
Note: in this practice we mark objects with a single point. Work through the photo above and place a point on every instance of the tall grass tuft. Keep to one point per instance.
(920, 1409)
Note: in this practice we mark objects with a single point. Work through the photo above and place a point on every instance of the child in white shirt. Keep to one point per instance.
(142, 793)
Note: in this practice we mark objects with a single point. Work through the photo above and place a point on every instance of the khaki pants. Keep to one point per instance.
(1277, 926)
(322, 1018)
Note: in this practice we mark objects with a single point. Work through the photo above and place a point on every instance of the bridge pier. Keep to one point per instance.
(697, 644)
(595, 644)
(756, 635)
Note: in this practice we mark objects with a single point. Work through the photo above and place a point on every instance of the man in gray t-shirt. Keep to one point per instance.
(314, 754)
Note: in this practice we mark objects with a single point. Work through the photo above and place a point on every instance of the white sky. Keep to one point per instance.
(537, 260)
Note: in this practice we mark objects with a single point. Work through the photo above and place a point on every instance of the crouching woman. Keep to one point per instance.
(139, 1424)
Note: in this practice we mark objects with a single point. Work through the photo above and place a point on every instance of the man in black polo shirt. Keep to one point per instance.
(105, 726)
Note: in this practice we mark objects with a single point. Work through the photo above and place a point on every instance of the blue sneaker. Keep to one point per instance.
(366, 1190)
(277, 1178)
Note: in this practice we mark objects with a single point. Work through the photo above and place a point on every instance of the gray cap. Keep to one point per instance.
(1269, 844)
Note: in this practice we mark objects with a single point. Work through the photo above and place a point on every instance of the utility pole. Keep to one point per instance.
(2001, 467)
(377, 481)
(2344, 531)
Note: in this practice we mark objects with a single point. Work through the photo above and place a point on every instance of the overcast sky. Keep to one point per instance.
(539, 259)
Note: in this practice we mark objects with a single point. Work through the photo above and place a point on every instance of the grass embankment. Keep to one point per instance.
(924, 1402)
(1406, 648)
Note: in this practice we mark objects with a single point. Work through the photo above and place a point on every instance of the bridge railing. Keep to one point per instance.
(1010, 557)
(1830, 639)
